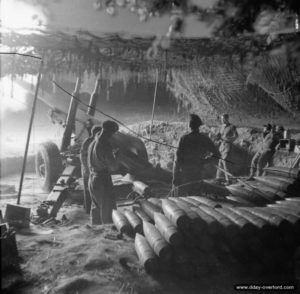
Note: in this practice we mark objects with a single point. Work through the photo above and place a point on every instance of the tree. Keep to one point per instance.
(228, 17)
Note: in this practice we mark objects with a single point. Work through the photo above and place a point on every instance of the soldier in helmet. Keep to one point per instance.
(264, 157)
(102, 163)
(228, 134)
(85, 168)
(195, 149)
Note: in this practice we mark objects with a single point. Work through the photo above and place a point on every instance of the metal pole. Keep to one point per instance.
(29, 131)
(154, 101)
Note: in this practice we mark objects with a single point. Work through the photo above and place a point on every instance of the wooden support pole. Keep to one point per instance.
(29, 131)
(154, 102)
(71, 116)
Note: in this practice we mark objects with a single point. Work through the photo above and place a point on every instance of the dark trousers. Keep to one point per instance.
(259, 161)
(86, 194)
(224, 166)
(101, 191)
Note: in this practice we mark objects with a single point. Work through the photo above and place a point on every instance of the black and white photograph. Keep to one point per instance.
(150, 146)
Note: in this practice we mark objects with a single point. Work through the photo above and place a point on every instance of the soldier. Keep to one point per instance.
(102, 164)
(89, 125)
(85, 168)
(264, 157)
(267, 129)
(228, 134)
(195, 149)
(254, 163)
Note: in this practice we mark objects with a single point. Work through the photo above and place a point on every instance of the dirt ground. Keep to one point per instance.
(71, 256)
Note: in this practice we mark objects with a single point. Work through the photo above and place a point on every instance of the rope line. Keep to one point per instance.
(22, 54)
(112, 118)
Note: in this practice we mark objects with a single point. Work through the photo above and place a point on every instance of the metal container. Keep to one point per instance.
(135, 222)
(141, 214)
(121, 222)
(145, 254)
(176, 215)
(157, 242)
(149, 208)
(168, 230)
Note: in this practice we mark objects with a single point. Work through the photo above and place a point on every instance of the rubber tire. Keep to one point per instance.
(48, 153)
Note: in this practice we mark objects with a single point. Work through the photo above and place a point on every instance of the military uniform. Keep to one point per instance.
(85, 172)
(264, 157)
(190, 158)
(228, 134)
(102, 162)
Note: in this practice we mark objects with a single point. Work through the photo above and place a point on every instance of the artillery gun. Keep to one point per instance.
(58, 168)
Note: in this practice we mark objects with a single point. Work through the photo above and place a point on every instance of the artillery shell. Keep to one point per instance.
(205, 201)
(121, 222)
(168, 230)
(145, 254)
(155, 201)
(286, 172)
(135, 222)
(141, 188)
(149, 208)
(278, 183)
(141, 214)
(157, 242)
(176, 215)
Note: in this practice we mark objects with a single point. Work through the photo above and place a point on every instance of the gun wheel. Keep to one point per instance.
(48, 165)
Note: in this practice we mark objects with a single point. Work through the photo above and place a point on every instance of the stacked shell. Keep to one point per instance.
(278, 183)
(193, 236)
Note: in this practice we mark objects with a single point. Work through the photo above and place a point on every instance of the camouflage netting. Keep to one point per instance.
(257, 86)
(241, 76)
